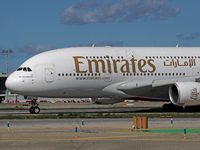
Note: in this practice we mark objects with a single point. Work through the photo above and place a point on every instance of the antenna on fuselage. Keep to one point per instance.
(177, 45)
(93, 45)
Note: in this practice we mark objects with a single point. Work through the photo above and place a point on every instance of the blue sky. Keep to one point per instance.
(29, 27)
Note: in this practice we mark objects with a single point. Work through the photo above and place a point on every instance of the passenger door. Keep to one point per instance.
(49, 74)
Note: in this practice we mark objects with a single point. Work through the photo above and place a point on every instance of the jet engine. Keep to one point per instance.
(184, 93)
(105, 100)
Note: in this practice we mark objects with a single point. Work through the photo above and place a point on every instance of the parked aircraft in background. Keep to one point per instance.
(112, 74)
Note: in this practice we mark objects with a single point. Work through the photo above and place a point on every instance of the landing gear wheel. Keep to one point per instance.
(34, 110)
(31, 110)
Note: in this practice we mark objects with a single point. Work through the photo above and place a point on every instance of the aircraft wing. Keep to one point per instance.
(156, 89)
(162, 82)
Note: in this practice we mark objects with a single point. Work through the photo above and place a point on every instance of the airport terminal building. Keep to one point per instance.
(3, 78)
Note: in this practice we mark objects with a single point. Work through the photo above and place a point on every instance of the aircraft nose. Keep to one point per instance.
(10, 83)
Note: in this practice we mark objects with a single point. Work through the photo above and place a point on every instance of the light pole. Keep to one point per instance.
(7, 52)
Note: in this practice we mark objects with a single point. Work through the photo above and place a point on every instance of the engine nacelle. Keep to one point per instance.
(105, 100)
(185, 93)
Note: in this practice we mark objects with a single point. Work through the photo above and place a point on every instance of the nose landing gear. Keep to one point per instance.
(34, 109)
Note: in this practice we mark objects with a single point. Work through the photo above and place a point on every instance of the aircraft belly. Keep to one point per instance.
(82, 93)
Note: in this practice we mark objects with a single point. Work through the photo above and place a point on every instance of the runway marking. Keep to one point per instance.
(38, 129)
(87, 138)
(60, 128)
(102, 139)
(124, 136)
(110, 138)
(113, 127)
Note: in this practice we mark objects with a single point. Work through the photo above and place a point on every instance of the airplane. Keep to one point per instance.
(110, 75)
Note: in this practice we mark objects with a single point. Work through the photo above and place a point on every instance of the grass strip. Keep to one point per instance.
(99, 115)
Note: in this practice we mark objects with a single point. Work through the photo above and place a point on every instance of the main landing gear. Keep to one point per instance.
(192, 108)
(34, 108)
(172, 108)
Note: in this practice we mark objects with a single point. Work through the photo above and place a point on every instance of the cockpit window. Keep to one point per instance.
(29, 69)
(24, 69)
(19, 69)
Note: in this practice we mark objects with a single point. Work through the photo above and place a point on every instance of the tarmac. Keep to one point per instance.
(98, 134)
(57, 108)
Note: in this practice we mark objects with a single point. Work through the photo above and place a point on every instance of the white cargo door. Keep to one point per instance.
(49, 74)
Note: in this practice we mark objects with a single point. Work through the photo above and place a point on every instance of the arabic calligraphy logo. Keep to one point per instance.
(194, 94)
(179, 63)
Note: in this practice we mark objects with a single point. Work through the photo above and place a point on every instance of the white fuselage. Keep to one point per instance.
(99, 71)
